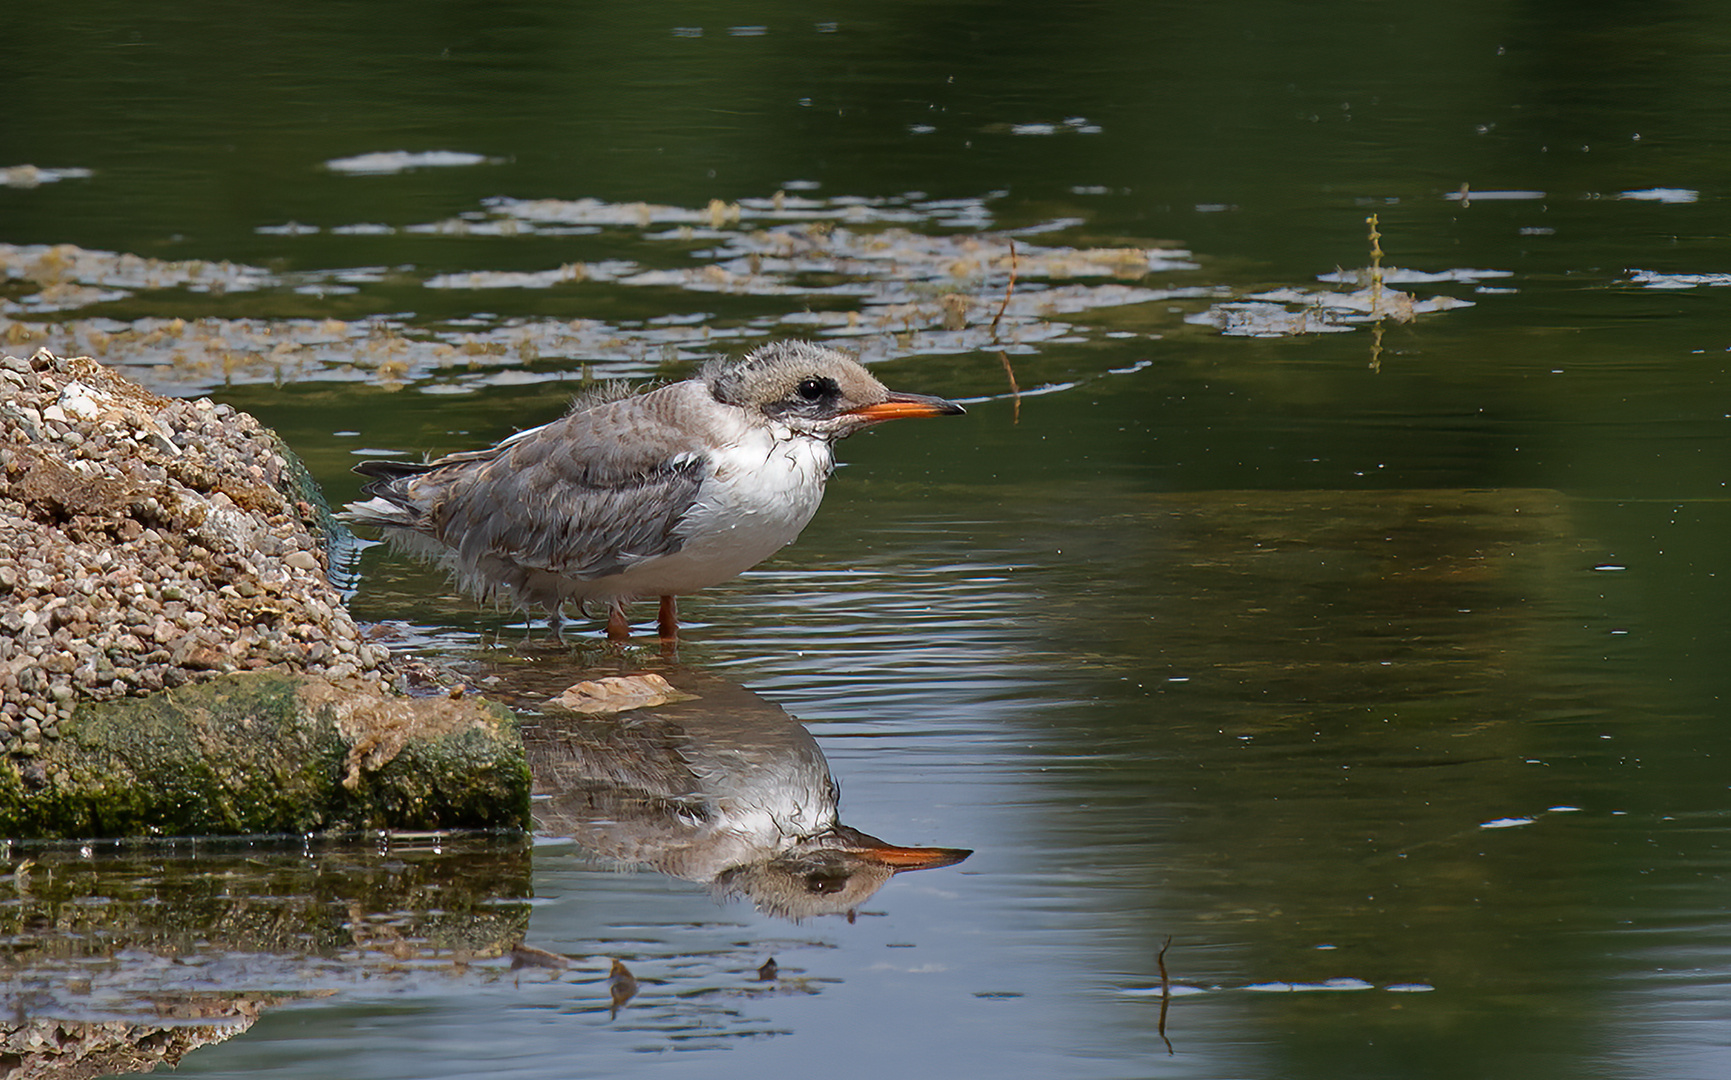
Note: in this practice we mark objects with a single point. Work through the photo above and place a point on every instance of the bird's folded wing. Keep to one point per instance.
(567, 498)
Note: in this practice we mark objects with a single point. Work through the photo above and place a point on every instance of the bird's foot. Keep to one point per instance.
(618, 628)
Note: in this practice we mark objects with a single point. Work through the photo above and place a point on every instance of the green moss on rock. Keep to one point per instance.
(266, 752)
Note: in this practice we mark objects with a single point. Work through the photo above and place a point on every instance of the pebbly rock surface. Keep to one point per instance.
(148, 542)
(150, 546)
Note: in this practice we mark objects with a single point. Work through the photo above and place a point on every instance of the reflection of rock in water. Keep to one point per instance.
(195, 942)
(71, 1050)
(727, 790)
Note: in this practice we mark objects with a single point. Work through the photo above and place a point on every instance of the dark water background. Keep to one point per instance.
(1383, 675)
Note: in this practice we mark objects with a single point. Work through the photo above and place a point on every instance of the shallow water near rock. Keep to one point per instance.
(1350, 621)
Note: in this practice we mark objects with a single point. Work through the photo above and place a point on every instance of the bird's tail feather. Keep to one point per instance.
(387, 471)
(379, 510)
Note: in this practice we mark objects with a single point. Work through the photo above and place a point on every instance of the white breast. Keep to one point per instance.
(762, 489)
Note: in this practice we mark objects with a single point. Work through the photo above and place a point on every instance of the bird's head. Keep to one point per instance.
(814, 391)
(831, 873)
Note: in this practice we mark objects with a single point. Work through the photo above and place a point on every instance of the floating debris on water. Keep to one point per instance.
(288, 228)
(621, 987)
(29, 176)
(1652, 279)
(856, 268)
(528, 956)
(1506, 823)
(1292, 311)
(1464, 195)
(395, 161)
(887, 276)
(1398, 276)
(44, 266)
(1663, 195)
(1300, 988)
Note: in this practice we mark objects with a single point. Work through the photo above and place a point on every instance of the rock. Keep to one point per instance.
(126, 500)
(150, 550)
(619, 693)
(268, 752)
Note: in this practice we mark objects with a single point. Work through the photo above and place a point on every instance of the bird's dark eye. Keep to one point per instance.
(814, 389)
(825, 882)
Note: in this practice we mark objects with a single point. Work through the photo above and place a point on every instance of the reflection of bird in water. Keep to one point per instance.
(655, 494)
(621, 987)
(726, 789)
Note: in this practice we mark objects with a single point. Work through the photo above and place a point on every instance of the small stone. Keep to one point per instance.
(301, 560)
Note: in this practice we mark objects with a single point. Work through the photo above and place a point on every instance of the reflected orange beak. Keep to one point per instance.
(905, 406)
(915, 858)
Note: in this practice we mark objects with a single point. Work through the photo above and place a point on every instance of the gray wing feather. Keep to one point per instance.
(571, 498)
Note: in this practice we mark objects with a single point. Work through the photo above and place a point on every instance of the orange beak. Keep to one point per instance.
(905, 406)
(914, 858)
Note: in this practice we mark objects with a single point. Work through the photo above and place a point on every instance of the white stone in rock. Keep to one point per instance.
(77, 399)
(301, 560)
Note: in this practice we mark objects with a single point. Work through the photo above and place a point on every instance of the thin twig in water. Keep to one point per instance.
(1375, 266)
(1009, 288)
(1003, 357)
(1375, 292)
(1015, 390)
(1165, 992)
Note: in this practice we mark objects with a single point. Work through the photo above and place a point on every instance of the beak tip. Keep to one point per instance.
(907, 406)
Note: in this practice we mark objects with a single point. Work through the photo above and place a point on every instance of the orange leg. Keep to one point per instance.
(618, 629)
(668, 621)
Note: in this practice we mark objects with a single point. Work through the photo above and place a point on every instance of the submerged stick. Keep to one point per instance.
(1375, 265)
(1375, 293)
(1004, 357)
(1165, 992)
(1009, 288)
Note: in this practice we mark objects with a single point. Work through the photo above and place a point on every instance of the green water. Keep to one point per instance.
(1392, 656)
